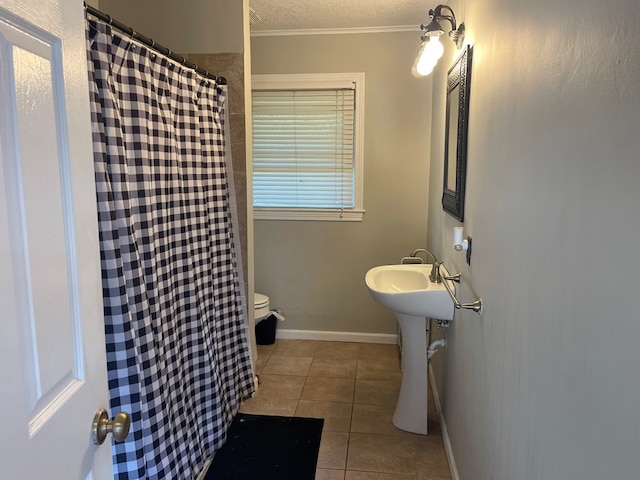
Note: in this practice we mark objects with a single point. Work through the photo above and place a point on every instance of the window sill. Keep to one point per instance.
(316, 214)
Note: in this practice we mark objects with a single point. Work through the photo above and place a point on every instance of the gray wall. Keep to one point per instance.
(196, 26)
(546, 384)
(314, 271)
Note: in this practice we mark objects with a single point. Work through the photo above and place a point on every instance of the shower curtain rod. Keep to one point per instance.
(151, 44)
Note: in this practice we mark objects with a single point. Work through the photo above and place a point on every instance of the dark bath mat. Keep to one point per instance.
(265, 447)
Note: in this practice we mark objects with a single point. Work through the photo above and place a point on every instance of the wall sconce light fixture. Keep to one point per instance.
(430, 47)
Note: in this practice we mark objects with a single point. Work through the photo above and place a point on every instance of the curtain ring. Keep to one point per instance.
(110, 19)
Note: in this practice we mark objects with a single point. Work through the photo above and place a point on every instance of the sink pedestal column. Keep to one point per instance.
(411, 409)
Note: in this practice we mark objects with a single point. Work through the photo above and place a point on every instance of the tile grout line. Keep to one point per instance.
(325, 354)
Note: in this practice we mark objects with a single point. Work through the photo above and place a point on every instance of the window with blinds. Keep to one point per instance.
(307, 147)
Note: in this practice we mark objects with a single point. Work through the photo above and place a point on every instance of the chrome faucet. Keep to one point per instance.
(435, 276)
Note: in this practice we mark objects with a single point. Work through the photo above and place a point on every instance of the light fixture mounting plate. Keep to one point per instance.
(457, 36)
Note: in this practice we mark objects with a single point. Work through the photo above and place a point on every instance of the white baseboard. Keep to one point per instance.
(337, 336)
(443, 427)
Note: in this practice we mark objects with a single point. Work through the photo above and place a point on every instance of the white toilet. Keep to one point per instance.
(261, 306)
(265, 330)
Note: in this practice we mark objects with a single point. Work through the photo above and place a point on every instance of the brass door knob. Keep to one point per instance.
(102, 426)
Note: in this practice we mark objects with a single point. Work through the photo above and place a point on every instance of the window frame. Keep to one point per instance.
(321, 81)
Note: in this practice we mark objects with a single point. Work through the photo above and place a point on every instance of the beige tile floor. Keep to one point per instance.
(354, 387)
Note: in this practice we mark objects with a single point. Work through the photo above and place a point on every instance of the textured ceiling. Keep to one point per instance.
(338, 14)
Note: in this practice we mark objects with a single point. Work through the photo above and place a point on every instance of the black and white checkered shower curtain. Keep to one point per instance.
(177, 348)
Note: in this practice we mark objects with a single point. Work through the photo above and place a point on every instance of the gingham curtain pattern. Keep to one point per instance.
(177, 348)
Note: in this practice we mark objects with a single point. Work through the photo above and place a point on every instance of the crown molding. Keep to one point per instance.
(335, 31)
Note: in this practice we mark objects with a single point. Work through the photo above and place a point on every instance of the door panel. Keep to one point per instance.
(52, 355)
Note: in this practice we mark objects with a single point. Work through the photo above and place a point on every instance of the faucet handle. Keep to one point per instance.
(453, 278)
(435, 275)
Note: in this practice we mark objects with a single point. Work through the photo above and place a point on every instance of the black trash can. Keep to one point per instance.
(266, 331)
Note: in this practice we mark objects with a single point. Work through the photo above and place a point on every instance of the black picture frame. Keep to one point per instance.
(455, 140)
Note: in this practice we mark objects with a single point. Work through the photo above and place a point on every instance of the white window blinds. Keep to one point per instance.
(303, 148)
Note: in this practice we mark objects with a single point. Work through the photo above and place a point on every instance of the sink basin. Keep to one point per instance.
(406, 289)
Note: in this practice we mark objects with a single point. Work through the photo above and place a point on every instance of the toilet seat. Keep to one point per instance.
(261, 306)
(260, 300)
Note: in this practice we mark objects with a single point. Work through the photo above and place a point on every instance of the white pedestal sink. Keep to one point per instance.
(408, 292)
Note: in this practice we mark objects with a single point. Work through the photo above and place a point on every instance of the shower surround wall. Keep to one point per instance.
(231, 66)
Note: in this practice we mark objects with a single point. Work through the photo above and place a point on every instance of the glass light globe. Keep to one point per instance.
(414, 67)
(434, 47)
(414, 71)
(426, 63)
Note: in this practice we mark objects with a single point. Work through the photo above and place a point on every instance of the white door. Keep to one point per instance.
(52, 354)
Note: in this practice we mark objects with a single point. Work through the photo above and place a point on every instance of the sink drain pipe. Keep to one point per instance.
(433, 347)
